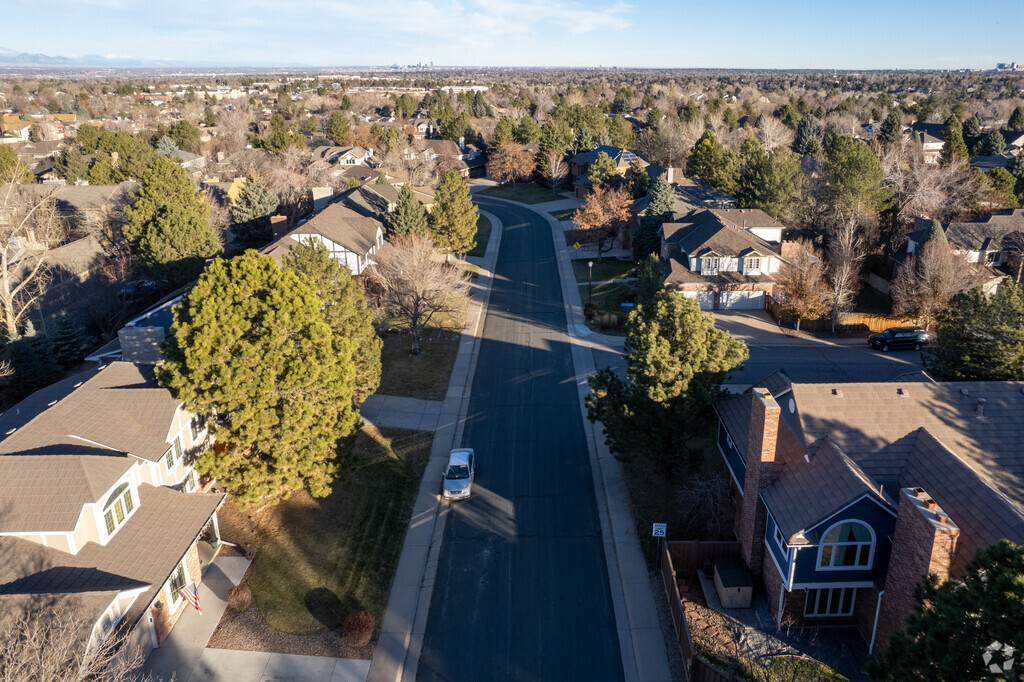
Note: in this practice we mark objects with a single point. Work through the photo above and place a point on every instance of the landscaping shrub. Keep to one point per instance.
(239, 597)
(590, 311)
(358, 628)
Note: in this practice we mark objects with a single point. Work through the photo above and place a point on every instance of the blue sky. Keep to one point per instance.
(655, 33)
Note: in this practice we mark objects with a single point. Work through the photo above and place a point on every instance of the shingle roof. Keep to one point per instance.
(77, 198)
(340, 224)
(798, 499)
(45, 492)
(143, 552)
(717, 231)
(1001, 231)
(121, 406)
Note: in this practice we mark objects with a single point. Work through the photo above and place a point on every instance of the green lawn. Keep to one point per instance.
(563, 215)
(483, 235)
(872, 301)
(318, 560)
(606, 296)
(418, 376)
(524, 192)
(605, 269)
(572, 236)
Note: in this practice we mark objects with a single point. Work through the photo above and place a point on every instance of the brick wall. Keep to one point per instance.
(760, 458)
(924, 542)
(167, 615)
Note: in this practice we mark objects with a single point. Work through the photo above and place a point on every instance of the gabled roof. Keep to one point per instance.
(807, 492)
(997, 232)
(45, 492)
(717, 231)
(120, 406)
(77, 198)
(340, 224)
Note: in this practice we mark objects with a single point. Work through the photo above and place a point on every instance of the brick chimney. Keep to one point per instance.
(278, 226)
(141, 344)
(760, 459)
(321, 196)
(924, 542)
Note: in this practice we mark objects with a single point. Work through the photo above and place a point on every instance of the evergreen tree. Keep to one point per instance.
(185, 135)
(528, 131)
(604, 171)
(32, 360)
(663, 198)
(994, 144)
(280, 136)
(504, 132)
(454, 215)
(892, 128)
(676, 363)
(620, 132)
(460, 127)
(585, 139)
(954, 151)
(954, 623)
(251, 211)
(1016, 123)
(972, 127)
(769, 181)
(101, 172)
(12, 168)
(805, 141)
(409, 215)
(935, 233)
(70, 342)
(71, 165)
(855, 176)
(980, 338)
(339, 131)
(639, 181)
(344, 309)
(168, 223)
(88, 137)
(165, 146)
(250, 344)
(659, 209)
(209, 120)
(650, 281)
(1002, 183)
(714, 163)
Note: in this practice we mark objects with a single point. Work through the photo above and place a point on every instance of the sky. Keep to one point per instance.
(780, 34)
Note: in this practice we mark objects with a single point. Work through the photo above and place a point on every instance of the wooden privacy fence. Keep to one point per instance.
(689, 556)
(846, 322)
(675, 603)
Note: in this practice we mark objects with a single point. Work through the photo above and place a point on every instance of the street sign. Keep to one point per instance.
(659, 530)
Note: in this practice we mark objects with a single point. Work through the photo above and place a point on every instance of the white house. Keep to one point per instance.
(349, 236)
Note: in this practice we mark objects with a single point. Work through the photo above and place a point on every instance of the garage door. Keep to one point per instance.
(705, 299)
(741, 300)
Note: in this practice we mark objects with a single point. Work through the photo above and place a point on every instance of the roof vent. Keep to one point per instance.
(837, 392)
(964, 391)
(11, 431)
(51, 403)
(902, 392)
(981, 408)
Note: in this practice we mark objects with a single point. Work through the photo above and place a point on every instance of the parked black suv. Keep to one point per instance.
(900, 337)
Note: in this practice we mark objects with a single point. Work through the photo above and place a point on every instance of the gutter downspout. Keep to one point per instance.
(874, 628)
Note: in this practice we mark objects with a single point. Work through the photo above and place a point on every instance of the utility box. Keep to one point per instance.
(733, 583)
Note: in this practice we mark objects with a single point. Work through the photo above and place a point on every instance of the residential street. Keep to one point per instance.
(522, 591)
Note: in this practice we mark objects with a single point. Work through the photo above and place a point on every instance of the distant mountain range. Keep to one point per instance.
(10, 57)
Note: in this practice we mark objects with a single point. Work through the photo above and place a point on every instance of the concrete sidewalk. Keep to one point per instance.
(641, 642)
(229, 665)
(184, 646)
(397, 656)
(402, 413)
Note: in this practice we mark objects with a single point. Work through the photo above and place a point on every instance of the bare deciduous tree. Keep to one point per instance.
(926, 281)
(555, 171)
(235, 125)
(46, 642)
(28, 229)
(845, 256)
(705, 500)
(511, 162)
(772, 133)
(414, 283)
(804, 287)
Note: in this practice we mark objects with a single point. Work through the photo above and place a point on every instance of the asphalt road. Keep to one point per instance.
(521, 591)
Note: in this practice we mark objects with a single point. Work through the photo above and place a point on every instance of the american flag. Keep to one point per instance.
(191, 594)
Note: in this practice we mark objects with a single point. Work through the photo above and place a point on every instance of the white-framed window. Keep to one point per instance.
(830, 602)
(780, 540)
(197, 425)
(991, 257)
(177, 581)
(846, 545)
(118, 508)
(178, 452)
(169, 458)
(709, 265)
(752, 264)
(190, 483)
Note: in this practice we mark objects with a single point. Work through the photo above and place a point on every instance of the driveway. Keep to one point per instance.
(808, 359)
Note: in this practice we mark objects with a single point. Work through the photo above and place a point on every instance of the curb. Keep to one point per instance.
(396, 658)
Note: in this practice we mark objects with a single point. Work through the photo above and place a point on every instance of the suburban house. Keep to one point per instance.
(13, 129)
(351, 237)
(343, 156)
(929, 136)
(377, 201)
(466, 160)
(81, 205)
(724, 258)
(579, 164)
(690, 194)
(847, 494)
(103, 513)
(996, 240)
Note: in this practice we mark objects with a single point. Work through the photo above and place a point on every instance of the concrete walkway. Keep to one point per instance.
(642, 645)
(397, 656)
(229, 665)
(402, 413)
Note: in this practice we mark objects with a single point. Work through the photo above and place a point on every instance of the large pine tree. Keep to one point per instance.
(954, 151)
(344, 309)
(409, 216)
(250, 214)
(168, 223)
(453, 217)
(251, 345)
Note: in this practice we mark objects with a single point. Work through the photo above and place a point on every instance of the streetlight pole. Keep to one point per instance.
(590, 280)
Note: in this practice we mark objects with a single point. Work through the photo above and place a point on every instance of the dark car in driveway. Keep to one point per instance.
(898, 338)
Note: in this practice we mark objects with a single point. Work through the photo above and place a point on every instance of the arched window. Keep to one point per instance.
(849, 544)
(118, 507)
(116, 494)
